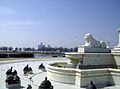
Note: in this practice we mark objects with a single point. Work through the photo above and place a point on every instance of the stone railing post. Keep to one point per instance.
(119, 37)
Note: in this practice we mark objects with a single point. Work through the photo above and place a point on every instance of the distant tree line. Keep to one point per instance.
(60, 49)
(43, 49)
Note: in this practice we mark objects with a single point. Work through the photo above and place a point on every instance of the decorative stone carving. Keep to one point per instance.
(9, 71)
(12, 78)
(42, 67)
(90, 41)
(27, 70)
(93, 46)
(46, 84)
(29, 86)
(14, 73)
(91, 85)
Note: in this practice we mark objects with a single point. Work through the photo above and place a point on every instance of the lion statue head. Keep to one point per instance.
(88, 37)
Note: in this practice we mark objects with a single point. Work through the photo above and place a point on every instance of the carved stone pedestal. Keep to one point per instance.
(93, 50)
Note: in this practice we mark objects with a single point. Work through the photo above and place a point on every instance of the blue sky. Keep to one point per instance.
(58, 22)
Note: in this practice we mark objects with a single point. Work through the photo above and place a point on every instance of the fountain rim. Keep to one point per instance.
(67, 53)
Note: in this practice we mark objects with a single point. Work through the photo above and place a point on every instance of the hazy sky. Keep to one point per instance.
(58, 22)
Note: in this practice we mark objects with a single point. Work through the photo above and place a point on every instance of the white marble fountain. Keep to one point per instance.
(93, 61)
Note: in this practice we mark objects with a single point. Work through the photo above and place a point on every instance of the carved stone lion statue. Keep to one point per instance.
(91, 42)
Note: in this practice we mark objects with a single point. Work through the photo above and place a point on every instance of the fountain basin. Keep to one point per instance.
(102, 68)
(81, 77)
(62, 74)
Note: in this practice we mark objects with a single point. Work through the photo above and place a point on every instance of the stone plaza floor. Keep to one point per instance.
(37, 76)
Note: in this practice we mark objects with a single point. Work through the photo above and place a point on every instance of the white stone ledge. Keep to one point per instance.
(82, 77)
(73, 53)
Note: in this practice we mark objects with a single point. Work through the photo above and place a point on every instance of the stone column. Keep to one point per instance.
(119, 37)
(116, 49)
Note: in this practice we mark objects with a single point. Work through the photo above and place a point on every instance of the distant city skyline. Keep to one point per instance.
(26, 23)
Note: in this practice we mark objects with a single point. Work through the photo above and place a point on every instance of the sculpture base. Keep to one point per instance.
(93, 50)
(116, 49)
(12, 86)
(46, 88)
